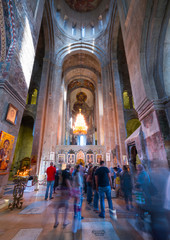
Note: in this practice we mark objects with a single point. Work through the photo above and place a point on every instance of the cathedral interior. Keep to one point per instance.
(106, 60)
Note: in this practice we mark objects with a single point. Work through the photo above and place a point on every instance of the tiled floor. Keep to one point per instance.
(36, 219)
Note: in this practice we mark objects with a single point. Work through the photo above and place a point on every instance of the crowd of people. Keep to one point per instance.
(98, 182)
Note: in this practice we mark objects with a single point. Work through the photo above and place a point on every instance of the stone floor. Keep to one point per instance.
(36, 219)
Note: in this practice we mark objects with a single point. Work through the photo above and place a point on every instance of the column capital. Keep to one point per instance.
(147, 106)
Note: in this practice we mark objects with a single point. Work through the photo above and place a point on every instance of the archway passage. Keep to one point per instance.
(81, 72)
(23, 148)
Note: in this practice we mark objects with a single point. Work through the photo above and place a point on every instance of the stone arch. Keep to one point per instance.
(80, 47)
(151, 52)
(49, 36)
(165, 42)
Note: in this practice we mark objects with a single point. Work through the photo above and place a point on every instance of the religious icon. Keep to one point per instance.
(6, 146)
(12, 114)
(71, 158)
(99, 158)
(61, 158)
(90, 158)
(107, 157)
(80, 155)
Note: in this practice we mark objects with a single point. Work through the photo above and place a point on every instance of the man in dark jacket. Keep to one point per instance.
(103, 184)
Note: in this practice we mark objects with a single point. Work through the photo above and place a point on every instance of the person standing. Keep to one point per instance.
(103, 185)
(77, 187)
(89, 184)
(63, 200)
(51, 171)
(96, 194)
(56, 182)
(126, 186)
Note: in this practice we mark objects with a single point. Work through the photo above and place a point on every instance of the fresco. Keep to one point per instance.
(83, 5)
(6, 146)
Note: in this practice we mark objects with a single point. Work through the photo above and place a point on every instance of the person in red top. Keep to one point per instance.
(50, 180)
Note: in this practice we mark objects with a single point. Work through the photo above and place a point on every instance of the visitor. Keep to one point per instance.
(160, 208)
(126, 187)
(103, 185)
(50, 180)
(85, 177)
(119, 169)
(82, 180)
(117, 182)
(76, 193)
(89, 184)
(56, 182)
(63, 201)
(96, 194)
(113, 176)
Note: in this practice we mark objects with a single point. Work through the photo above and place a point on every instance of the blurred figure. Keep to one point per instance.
(113, 176)
(119, 169)
(96, 194)
(117, 182)
(50, 180)
(143, 185)
(82, 170)
(64, 196)
(143, 198)
(76, 193)
(56, 182)
(160, 192)
(126, 187)
(89, 184)
(85, 177)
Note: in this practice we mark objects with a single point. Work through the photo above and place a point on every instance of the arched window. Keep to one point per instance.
(126, 101)
(34, 97)
(132, 125)
(83, 31)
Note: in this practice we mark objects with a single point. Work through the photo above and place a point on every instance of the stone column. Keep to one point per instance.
(112, 128)
(64, 113)
(51, 123)
(99, 113)
(40, 117)
(120, 129)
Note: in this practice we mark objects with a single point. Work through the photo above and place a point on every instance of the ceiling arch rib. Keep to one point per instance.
(80, 73)
(81, 67)
(81, 47)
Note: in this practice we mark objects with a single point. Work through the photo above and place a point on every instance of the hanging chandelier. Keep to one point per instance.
(80, 127)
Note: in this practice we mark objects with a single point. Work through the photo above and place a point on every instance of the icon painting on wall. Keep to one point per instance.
(6, 146)
(12, 114)
(99, 158)
(107, 157)
(61, 158)
(90, 158)
(71, 158)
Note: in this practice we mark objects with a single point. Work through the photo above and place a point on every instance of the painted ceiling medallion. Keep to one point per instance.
(83, 5)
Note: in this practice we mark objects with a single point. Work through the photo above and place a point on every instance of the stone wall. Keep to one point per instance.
(141, 29)
(16, 68)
